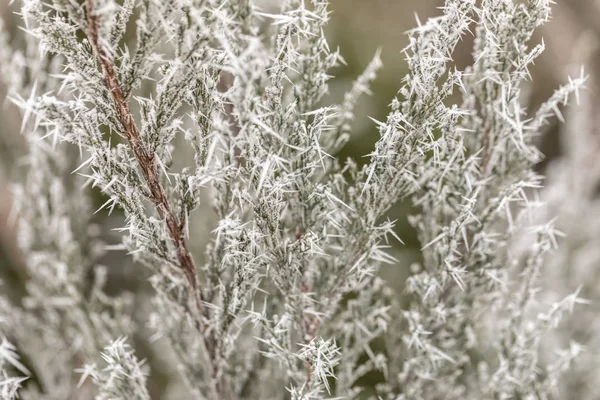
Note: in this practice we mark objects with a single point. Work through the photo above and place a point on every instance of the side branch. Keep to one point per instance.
(144, 158)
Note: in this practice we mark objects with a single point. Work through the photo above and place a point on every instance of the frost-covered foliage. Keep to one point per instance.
(123, 376)
(571, 196)
(65, 315)
(9, 385)
(217, 107)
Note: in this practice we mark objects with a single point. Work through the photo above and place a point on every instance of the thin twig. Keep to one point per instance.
(145, 159)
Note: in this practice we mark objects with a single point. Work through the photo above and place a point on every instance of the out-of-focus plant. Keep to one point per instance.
(287, 302)
(571, 195)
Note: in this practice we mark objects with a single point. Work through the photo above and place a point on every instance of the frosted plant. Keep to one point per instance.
(64, 316)
(571, 195)
(471, 190)
(286, 302)
(9, 385)
(123, 377)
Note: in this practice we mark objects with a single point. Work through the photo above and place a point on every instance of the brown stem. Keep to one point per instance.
(144, 158)
(147, 163)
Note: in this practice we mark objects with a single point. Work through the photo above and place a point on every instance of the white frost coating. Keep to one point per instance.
(287, 302)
